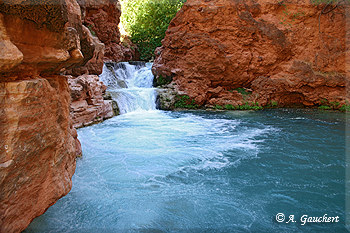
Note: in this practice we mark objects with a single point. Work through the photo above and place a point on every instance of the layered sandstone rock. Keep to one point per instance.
(10, 56)
(38, 144)
(88, 105)
(38, 148)
(289, 52)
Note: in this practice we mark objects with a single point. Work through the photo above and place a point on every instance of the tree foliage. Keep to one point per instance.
(146, 22)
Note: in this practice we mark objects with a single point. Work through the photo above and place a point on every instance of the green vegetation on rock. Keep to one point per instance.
(92, 31)
(345, 108)
(334, 105)
(146, 22)
(229, 107)
(324, 107)
(245, 106)
(272, 104)
(218, 107)
(243, 91)
(160, 81)
(184, 101)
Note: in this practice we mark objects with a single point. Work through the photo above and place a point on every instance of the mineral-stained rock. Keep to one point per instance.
(38, 146)
(88, 106)
(165, 99)
(291, 52)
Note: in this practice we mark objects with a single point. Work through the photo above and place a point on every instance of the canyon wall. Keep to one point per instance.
(290, 53)
(38, 143)
(100, 20)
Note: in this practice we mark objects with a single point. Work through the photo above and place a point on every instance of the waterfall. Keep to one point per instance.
(130, 84)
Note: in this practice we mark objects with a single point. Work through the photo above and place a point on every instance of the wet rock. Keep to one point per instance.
(108, 96)
(167, 96)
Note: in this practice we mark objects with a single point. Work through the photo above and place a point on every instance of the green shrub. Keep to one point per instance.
(257, 108)
(274, 103)
(324, 101)
(185, 101)
(243, 91)
(334, 105)
(160, 81)
(345, 108)
(324, 107)
(219, 107)
(146, 22)
(229, 107)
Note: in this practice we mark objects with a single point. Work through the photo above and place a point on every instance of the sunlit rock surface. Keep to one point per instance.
(292, 53)
(102, 17)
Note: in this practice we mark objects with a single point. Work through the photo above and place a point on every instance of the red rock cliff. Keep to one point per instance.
(102, 17)
(290, 52)
(38, 144)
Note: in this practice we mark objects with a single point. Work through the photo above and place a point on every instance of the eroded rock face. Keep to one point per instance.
(48, 36)
(93, 60)
(38, 147)
(290, 52)
(88, 106)
(38, 143)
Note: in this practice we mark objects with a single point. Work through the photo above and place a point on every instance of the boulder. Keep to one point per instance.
(88, 105)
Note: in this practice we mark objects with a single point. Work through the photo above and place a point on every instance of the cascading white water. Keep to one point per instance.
(130, 85)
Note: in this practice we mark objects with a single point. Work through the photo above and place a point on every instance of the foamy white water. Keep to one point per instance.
(156, 171)
(130, 86)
